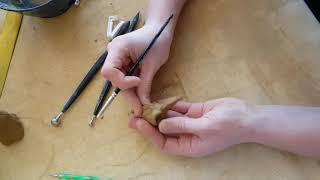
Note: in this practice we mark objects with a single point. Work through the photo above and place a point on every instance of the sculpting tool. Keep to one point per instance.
(93, 71)
(107, 85)
(65, 176)
(134, 23)
(133, 68)
(101, 99)
(87, 79)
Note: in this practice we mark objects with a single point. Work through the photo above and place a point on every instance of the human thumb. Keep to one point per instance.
(115, 61)
(180, 125)
(144, 88)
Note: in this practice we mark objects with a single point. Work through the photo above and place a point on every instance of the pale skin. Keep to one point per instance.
(200, 129)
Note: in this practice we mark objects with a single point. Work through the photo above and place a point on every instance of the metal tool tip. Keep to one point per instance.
(56, 120)
(100, 117)
(54, 175)
(93, 119)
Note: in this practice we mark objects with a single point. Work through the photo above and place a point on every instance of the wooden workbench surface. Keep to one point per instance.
(262, 51)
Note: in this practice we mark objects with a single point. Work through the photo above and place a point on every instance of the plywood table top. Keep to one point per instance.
(266, 52)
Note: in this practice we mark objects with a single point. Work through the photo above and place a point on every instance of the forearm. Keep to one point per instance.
(294, 129)
(160, 10)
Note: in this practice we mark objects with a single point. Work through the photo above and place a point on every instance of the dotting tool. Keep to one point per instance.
(133, 68)
(107, 84)
(86, 80)
(93, 71)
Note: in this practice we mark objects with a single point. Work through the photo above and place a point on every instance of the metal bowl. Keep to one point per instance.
(38, 8)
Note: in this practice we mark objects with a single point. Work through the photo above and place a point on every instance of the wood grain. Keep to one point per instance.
(263, 51)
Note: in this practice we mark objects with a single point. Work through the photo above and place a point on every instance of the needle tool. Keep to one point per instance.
(107, 84)
(133, 68)
(56, 121)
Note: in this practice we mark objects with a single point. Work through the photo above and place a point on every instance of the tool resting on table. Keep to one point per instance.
(56, 121)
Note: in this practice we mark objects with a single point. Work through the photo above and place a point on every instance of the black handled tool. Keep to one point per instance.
(93, 71)
(134, 22)
(107, 84)
(133, 68)
(86, 80)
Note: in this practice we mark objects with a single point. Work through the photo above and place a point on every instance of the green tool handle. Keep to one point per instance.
(74, 177)
(65, 176)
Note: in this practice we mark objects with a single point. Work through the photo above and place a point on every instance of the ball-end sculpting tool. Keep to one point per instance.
(56, 121)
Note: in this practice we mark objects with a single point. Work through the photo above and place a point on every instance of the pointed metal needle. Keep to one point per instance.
(106, 105)
(93, 119)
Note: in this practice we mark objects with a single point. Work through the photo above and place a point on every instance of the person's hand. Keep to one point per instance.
(124, 51)
(199, 129)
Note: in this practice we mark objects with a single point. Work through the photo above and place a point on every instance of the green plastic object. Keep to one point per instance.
(65, 176)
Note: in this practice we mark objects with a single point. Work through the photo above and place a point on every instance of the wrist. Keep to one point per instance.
(249, 123)
(167, 33)
(253, 124)
(157, 24)
(237, 120)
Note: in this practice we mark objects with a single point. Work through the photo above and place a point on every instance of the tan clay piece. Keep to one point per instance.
(11, 129)
(157, 111)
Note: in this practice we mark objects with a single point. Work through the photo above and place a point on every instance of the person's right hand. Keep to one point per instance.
(199, 129)
(124, 51)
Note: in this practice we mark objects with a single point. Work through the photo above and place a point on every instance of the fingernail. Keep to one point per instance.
(145, 100)
(132, 123)
(163, 125)
(139, 124)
